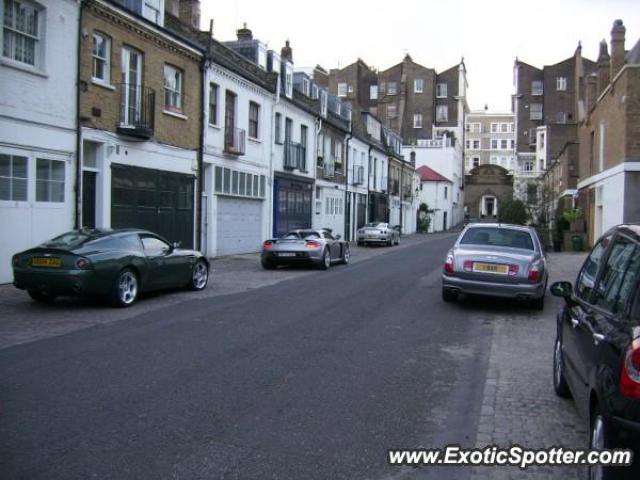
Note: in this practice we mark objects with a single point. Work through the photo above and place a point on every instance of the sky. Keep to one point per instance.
(488, 34)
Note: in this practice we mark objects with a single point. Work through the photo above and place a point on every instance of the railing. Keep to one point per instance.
(234, 140)
(329, 169)
(433, 142)
(295, 156)
(137, 110)
(529, 173)
(358, 174)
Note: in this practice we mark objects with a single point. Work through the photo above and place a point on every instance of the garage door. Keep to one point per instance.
(239, 225)
(155, 200)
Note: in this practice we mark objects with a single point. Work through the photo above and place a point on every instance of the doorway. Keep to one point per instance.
(88, 199)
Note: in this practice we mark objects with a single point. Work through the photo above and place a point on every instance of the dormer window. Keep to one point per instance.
(314, 91)
(306, 86)
(152, 10)
(323, 103)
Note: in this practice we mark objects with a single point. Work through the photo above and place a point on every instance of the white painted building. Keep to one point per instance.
(358, 173)
(37, 124)
(435, 191)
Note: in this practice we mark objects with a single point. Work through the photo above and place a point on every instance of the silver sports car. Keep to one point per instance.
(378, 232)
(496, 260)
(318, 247)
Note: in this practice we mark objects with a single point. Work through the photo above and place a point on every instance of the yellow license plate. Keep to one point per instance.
(491, 268)
(46, 262)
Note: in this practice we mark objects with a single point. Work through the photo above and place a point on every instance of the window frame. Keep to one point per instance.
(561, 84)
(417, 120)
(106, 60)
(442, 90)
(215, 104)
(416, 82)
(439, 116)
(11, 178)
(50, 180)
(254, 123)
(11, 32)
(392, 90)
(342, 89)
(174, 94)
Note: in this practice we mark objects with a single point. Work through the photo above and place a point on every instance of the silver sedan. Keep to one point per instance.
(317, 247)
(378, 232)
(496, 260)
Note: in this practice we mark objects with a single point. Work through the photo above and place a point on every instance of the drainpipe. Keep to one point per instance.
(77, 223)
(368, 183)
(401, 195)
(346, 183)
(200, 159)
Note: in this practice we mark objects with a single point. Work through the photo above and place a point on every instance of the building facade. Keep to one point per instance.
(435, 191)
(38, 175)
(489, 139)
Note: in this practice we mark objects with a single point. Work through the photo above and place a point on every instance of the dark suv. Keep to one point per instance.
(597, 350)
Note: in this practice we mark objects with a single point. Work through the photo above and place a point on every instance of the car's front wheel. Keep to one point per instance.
(346, 254)
(559, 381)
(124, 291)
(199, 276)
(41, 297)
(326, 259)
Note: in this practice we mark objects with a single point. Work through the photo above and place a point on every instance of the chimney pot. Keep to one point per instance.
(617, 47)
(287, 52)
(244, 33)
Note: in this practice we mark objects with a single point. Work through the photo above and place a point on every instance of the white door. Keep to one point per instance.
(239, 225)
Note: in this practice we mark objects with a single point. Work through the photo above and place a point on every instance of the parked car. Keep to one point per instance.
(317, 247)
(597, 349)
(115, 264)
(377, 232)
(496, 260)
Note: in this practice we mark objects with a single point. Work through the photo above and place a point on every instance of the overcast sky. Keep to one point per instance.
(489, 34)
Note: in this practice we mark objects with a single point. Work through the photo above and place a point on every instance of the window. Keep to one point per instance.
(513, 144)
(441, 90)
(417, 120)
(442, 113)
(587, 276)
(213, 103)
(536, 87)
(154, 247)
(468, 144)
(13, 178)
(494, 128)
(323, 103)
(21, 32)
(151, 10)
(172, 89)
(305, 86)
(254, 120)
(101, 57)
(392, 88)
(561, 83)
(446, 191)
(373, 92)
(561, 117)
(476, 161)
(278, 128)
(504, 127)
(504, 144)
(342, 89)
(418, 85)
(535, 112)
(314, 91)
(49, 180)
(391, 110)
(494, 144)
(619, 277)
(476, 144)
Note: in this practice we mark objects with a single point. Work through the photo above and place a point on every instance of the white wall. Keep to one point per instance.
(432, 193)
(37, 120)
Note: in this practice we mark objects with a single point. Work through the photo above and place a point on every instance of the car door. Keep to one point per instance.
(576, 331)
(608, 322)
(333, 246)
(156, 252)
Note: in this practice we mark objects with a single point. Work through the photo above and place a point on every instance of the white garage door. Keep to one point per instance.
(239, 225)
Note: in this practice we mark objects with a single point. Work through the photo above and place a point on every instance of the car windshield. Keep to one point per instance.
(69, 240)
(375, 225)
(498, 237)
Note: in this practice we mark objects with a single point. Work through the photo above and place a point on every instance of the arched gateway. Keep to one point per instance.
(485, 186)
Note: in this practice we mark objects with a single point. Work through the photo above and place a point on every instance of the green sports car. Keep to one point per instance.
(115, 264)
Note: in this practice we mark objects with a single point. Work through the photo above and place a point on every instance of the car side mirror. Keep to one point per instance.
(338, 237)
(175, 245)
(561, 289)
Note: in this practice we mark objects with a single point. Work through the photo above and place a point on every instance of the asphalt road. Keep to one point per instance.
(311, 378)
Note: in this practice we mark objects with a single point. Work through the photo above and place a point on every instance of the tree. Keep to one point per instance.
(513, 211)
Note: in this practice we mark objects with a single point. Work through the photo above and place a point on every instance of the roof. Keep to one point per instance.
(633, 56)
(429, 175)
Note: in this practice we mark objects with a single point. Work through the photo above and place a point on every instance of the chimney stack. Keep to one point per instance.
(617, 47)
(603, 67)
(286, 52)
(190, 13)
(244, 33)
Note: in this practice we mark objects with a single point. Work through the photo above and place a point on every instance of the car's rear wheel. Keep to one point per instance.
(559, 381)
(346, 254)
(267, 264)
(199, 276)
(599, 439)
(449, 295)
(124, 291)
(326, 259)
(41, 297)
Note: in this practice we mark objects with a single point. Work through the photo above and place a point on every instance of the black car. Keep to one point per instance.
(115, 264)
(597, 349)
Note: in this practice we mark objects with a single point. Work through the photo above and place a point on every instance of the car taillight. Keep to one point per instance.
(513, 269)
(312, 244)
(630, 372)
(448, 264)
(83, 264)
(534, 273)
(267, 244)
(468, 265)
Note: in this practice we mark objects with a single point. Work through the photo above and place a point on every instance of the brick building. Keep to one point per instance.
(609, 137)
(140, 111)
(489, 139)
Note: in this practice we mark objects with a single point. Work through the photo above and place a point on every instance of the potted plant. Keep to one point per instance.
(575, 219)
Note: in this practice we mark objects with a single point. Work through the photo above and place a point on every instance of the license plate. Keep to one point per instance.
(371, 236)
(286, 254)
(490, 268)
(50, 262)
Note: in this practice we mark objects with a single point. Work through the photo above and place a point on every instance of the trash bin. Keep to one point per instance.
(576, 241)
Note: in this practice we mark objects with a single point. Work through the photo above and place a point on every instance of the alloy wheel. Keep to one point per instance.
(347, 254)
(200, 275)
(327, 259)
(127, 287)
(596, 472)
(557, 362)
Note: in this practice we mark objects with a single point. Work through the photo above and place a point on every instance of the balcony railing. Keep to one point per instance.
(234, 140)
(295, 156)
(328, 169)
(137, 110)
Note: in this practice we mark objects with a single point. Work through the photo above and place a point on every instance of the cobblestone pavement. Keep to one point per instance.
(519, 404)
(23, 321)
